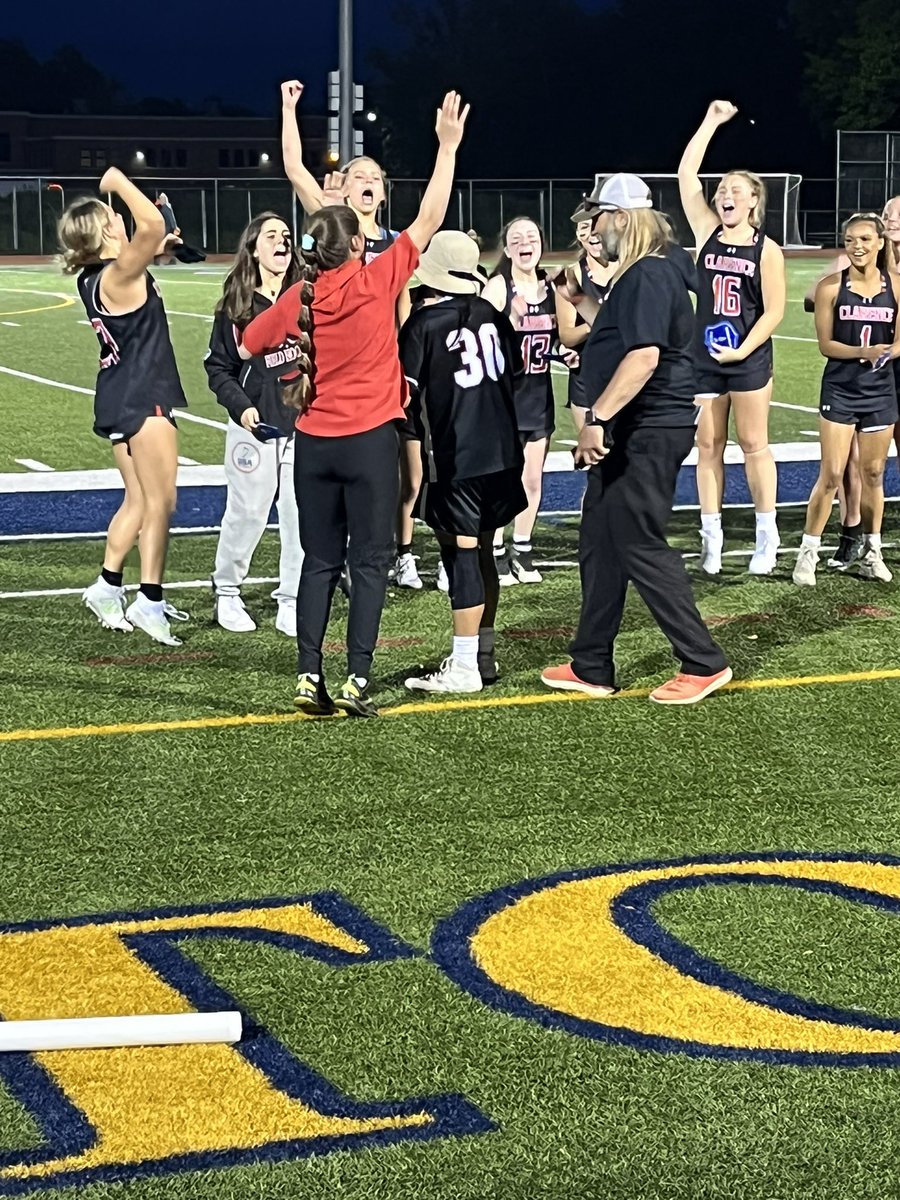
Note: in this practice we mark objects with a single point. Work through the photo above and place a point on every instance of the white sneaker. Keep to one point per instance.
(233, 616)
(765, 557)
(443, 581)
(152, 620)
(711, 560)
(286, 621)
(108, 605)
(873, 566)
(452, 676)
(805, 570)
(405, 573)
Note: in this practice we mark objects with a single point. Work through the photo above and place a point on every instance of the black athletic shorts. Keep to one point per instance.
(123, 425)
(469, 507)
(870, 417)
(748, 376)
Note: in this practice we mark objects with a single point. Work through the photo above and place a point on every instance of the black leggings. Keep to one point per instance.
(347, 490)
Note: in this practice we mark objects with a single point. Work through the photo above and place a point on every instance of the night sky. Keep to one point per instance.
(196, 50)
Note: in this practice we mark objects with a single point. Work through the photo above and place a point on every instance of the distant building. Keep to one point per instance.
(67, 146)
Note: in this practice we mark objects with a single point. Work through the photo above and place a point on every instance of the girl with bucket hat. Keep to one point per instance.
(460, 357)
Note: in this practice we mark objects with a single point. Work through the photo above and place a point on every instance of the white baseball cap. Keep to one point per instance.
(621, 191)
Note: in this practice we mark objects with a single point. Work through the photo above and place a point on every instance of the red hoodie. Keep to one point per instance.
(359, 383)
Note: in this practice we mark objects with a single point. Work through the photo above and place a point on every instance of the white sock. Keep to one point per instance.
(499, 550)
(711, 522)
(873, 541)
(767, 522)
(465, 652)
(811, 542)
(522, 544)
(309, 675)
(361, 681)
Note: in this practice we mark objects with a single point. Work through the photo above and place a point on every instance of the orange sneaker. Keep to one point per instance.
(564, 678)
(688, 689)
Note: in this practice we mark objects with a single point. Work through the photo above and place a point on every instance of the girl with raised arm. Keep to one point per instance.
(138, 390)
(741, 300)
(350, 391)
(361, 184)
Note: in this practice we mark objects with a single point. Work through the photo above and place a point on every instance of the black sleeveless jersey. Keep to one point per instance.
(730, 298)
(376, 246)
(597, 291)
(537, 339)
(137, 362)
(862, 321)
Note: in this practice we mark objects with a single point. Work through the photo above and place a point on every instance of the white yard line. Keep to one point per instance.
(11, 324)
(175, 586)
(173, 312)
(794, 407)
(32, 464)
(783, 337)
(187, 462)
(71, 387)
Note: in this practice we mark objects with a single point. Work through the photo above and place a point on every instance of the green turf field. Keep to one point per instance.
(43, 335)
(693, 1031)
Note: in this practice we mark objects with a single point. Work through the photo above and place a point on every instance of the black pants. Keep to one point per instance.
(347, 488)
(627, 508)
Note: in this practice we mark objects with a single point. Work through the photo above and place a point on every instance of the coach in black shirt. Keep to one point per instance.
(638, 366)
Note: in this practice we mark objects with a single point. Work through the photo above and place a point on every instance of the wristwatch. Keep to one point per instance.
(591, 418)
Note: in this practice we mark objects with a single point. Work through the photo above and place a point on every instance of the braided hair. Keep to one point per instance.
(326, 244)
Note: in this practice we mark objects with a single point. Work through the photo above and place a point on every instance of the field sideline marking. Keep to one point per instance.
(439, 706)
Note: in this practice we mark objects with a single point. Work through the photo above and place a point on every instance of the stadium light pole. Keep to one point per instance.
(345, 58)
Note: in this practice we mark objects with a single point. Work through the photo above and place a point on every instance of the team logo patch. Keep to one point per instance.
(245, 457)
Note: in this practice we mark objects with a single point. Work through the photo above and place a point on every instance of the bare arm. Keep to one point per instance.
(449, 127)
(571, 334)
(701, 217)
(495, 292)
(123, 282)
(631, 375)
(304, 184)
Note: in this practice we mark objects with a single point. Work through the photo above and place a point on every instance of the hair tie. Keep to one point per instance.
(308, 243)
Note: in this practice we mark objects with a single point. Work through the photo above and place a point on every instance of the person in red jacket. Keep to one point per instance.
(350, 389)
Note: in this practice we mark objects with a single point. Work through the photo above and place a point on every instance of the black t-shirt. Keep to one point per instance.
(648, 306)
(687, 268)
(460, 357)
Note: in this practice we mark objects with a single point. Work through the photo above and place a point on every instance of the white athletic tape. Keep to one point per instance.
(97, 1033)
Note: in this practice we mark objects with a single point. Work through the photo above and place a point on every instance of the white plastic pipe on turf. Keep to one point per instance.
(106, 1033)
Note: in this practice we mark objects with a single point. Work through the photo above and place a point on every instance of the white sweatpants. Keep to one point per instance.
(257, 474)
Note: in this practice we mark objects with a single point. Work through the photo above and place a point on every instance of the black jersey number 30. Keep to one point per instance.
(481, 355)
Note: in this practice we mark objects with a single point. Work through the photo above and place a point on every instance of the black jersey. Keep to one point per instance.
(376, 246)
(862, 321)
(460, 356)
(729, 297)
(137, 373)
(537, 339)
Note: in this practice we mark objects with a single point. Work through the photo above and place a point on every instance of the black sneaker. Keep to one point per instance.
(354, 699)
(522, 566)
(849, 550)
(311, 697)
(487, 668)
(504, 570)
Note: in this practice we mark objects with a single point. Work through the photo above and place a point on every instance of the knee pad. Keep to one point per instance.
(464, 574)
